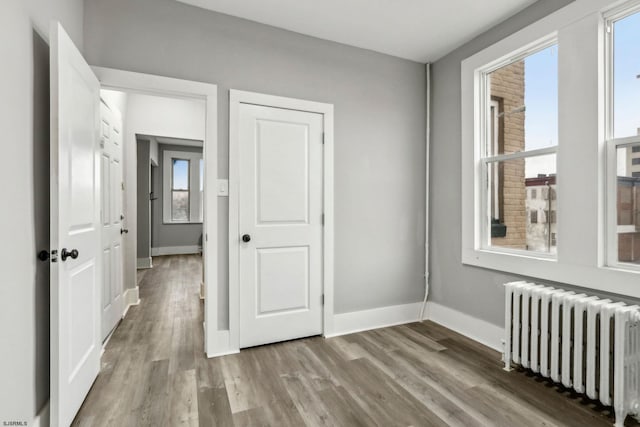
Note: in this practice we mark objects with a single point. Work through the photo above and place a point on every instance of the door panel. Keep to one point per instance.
(81, 336)
(75, 225)
(282, 280)
(106, 277)
(282, 186)
(281, 210)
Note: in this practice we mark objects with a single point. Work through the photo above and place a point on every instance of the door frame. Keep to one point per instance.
(177, 88)
(237, 97)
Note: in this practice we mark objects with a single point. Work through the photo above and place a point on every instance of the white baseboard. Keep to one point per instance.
(219, 340)
(144, 263)
(42, 419)
(131, 297)
(175, 250)
(357, 321)
(478, 330)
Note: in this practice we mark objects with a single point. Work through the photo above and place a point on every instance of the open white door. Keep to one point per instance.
(75, 228)
(112, 216)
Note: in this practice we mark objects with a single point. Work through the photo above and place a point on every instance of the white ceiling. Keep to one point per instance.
(420, 30)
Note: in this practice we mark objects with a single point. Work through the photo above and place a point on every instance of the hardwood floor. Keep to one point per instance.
(154, 373)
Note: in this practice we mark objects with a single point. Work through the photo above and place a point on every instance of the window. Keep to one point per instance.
(623, 138)
(586, 137)
(519, 149)
(180, 190)
(182, 187)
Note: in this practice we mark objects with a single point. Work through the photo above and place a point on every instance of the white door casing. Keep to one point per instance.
(75, 225)
(281, 211)
(111, 217)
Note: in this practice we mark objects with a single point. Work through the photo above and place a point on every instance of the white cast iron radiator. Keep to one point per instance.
(583, 342)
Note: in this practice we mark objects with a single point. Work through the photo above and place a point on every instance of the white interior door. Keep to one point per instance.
(111, 218)
(280, 222)
(75, 228)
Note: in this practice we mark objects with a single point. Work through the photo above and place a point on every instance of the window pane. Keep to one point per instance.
(180, 178)
(201, 175)
(626, 76)
(628, 205)
(180, 205)
(517, 218)
(523, 104)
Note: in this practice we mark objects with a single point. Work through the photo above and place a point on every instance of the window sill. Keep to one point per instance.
(181, 222)
(615, 280)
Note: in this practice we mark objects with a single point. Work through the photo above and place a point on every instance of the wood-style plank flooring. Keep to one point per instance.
(155, 373)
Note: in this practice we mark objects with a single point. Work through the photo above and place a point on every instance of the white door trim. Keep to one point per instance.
(237, 97)
(167, 86)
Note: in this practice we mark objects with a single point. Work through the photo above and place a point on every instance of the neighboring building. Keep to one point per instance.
(541, 208)
(628, 204)
(508, 192)
(633, 160)
(629, 218)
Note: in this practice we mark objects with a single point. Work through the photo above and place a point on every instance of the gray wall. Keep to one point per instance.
(379, 126)
(163, 235)
(24, 120)
(143, 188)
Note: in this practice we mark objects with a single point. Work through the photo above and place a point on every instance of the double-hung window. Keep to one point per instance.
(551, 149)
(622, 129)
(518, 140)
(182, 187)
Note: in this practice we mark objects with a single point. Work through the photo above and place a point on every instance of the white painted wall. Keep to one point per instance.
(24, 229)
(159, 116)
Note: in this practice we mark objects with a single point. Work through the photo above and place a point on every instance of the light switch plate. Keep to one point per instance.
(223, 187)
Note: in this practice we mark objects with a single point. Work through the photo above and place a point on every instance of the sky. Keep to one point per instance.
(541, 93)
(626, 69)
(541, 116)
(180, 174)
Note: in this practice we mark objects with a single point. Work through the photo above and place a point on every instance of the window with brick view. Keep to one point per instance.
(524, 95)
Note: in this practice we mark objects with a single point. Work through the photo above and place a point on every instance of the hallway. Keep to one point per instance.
(154, 373)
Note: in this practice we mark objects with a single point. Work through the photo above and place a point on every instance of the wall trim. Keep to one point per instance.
(471, 327)
(146, 262)
(131, 297)
(221, 343)
(42, 418)
(175, 250)
(382, 317)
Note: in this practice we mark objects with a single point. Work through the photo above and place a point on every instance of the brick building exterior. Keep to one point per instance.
(507, 94)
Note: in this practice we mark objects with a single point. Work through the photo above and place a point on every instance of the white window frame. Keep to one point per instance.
(483, 138)
(195, 197)
(612, 143)
(581, 206)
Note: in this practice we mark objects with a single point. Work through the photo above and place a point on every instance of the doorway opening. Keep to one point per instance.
(153, 186)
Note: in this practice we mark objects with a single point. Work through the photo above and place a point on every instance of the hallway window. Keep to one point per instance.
(182, 187)
(180, 190)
